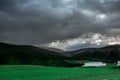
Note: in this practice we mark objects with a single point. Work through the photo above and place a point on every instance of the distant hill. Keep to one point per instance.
(27, 54)
(44, 53)
(107, 54)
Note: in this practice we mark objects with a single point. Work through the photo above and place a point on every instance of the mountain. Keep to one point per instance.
(107, 54)
(27, 54)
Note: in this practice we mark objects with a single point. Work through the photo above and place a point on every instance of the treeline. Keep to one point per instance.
(29, 55)
(106, 54)
(24, 54)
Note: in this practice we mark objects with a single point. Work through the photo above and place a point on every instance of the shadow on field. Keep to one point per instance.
(44, 62)
(116, 67)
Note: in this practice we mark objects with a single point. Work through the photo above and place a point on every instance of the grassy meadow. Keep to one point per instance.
(33, 72)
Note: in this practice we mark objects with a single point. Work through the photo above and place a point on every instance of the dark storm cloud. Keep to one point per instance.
(42, 21)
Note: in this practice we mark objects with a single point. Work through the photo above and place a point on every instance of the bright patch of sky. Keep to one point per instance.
(86, 41)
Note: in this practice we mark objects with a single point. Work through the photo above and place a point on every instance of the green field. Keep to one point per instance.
(32, 72)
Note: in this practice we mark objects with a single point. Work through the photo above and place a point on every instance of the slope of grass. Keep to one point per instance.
(32, 72)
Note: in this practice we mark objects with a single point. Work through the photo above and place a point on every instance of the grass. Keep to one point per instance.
(32, 72)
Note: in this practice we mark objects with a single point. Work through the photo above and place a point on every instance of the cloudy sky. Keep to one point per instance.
(43, 21)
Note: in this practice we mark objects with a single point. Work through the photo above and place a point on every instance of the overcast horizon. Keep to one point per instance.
(69, 24)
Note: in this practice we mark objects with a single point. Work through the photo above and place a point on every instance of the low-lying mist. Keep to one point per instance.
(86, 41)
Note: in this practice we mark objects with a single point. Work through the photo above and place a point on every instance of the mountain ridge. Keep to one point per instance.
(27, 53)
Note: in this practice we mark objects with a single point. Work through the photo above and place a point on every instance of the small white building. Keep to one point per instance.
(94, 64)
(118, 63)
